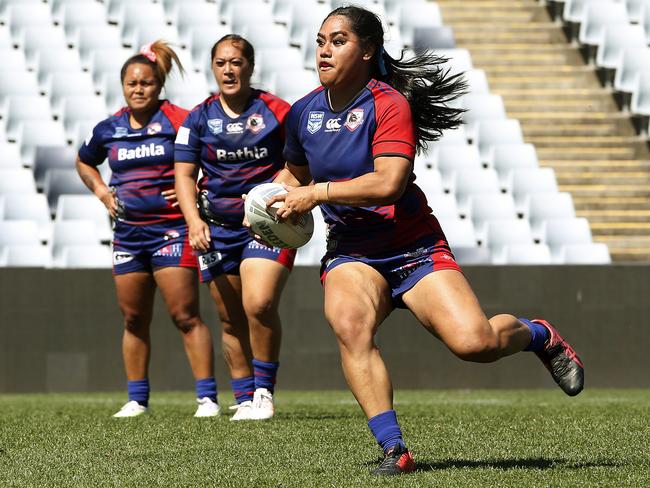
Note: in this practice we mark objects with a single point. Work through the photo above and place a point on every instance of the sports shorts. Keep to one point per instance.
(402, 268)
(147, 247)
(230, 246)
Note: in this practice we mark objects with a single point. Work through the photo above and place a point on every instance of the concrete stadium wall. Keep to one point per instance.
(60, 330)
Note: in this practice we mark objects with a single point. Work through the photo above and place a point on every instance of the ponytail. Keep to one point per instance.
(159, 56)
(425, 83)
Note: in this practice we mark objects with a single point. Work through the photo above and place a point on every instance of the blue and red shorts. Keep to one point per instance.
(230, 246)
(147, 247)
(402, 268)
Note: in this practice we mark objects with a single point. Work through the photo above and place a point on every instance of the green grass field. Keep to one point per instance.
(320, 439)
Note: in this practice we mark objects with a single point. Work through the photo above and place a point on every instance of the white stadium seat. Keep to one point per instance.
(293, 85)
(481, 107)
(452, 158)
(85, 207)
(443, 206)
(459, 232)
(502, 233)
(471, 182)
(616, 38)
(453, 136)
(477, 81)
(28, 256)
(84, 14)
(63, 85)
(13, 59)
(426, 15)
(633, 61)
(525, 182)
(305, 21)
(543, 206)
(26, 206)
(144, 34)
(17, 82)
(597, 16)
(192, 86)
(201, 41)
(16, 181)
(54, 61)
(22, 108)
(37, 133)
(275, 60)
(528, 254)
(52, 157)
(575, 10)
(472, 255)
(458, 60)
(561, 232)
(271, 36)
(27, 14)
(595, 253)
(10, 156)
(640, 103)
(635, 9)
(486, 208)
(42, 38)
(19, 233)
(62, 182)
(493, 132)
(508, 157)
(645, 21)
(70, 233)
(82, 108)
(59, 5)
(86, 256)
(430, 183)
(244, 18)
(97, 37)
(138, 14)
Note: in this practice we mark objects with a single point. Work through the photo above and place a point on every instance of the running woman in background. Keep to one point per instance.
(385, 248)
(236, 139)
(150, 243)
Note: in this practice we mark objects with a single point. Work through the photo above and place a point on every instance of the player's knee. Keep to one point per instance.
(478, 349)
(260, 310)
(352, 333)
(186, 322)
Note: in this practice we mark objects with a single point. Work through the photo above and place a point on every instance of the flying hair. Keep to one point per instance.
(426, 84)
(159, 56)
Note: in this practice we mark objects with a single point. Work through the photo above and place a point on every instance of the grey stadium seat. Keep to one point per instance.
(52, 157)
(26, 107)
(437, 37)
(37, 133)
(62, 182)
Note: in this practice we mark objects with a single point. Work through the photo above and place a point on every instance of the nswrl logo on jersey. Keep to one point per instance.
(315, 121)
(215, 126)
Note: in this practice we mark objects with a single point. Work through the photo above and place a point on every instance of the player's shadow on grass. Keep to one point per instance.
(506, 464)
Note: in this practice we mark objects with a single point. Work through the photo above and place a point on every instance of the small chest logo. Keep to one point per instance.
(235, 128)
(154, 128)
(333, 125)
(315, 121)
(215, 126)
(354, 119)
(120, 132)
(255, 123)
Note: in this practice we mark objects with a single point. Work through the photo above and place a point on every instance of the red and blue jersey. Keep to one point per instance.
(235, 154)
(340, 146)
(141, 160)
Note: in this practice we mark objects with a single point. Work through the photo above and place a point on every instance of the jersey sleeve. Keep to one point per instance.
(94, 151)
(187, 146)
(395, 133)
(293, 150)
(279, 108)
(174, 113)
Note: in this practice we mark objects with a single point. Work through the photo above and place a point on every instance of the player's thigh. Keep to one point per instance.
(262, 283)
(357, 300)
(226, 292)
(446, 305)
(180, 289)
(135, 296)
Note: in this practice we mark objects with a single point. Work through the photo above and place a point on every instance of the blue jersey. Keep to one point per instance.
(142, 162)
(340, 146)
(235, 154)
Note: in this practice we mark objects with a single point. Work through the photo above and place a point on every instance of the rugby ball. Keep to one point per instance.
(264, 223)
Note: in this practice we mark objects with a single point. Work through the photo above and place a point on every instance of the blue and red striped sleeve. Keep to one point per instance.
(278, 107)
(395, 133)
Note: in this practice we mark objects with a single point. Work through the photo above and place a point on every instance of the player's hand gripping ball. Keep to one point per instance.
(262, 219)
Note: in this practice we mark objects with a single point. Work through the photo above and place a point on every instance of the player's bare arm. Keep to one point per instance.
(93, 180)
(185, 185)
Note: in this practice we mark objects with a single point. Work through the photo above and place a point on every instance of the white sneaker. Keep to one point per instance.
(131, 409)
(207, 408)
(263, 408)
(244, 411)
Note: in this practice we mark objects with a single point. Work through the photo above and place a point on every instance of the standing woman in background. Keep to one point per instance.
(236, 139)
(150, 244)
(385, 248)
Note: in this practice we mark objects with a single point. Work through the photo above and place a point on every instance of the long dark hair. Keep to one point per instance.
(425, 83)
(246, 47)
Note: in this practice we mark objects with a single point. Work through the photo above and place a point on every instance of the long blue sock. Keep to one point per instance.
(265, 374)
(139, 391)
(539, 333)
(386, 430)
(207, 387)
(243, 389)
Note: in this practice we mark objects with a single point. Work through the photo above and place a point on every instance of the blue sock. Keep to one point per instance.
(386, 430)
(139, 391)
(243, 389)
(207, 387)
(265, 374)
(539, 333)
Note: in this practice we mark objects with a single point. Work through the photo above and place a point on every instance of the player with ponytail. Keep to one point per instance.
(150, 243)
(356, 138)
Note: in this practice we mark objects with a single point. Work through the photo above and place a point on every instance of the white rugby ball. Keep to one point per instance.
(264, 223)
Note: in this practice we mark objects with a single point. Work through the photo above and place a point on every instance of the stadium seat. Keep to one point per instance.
(459, 232)
(293, 85)
(6, 41)
(528, 254)
(506, 232)
(62, 182)
(74, 16)
(17, 82)
(13, 59)
(645, 22)
(55, 61)
(71, 84)
(16, 181)
(493, 132)
(509, 157)
(640, 103)
(443, 206)
(28, 256)
(36, 133)
(458, 60)
(59, 5)
(70, 233)
(113, 92)
(244, 18)
(430, 183)
(598, 15)
(635, 9)
(115, 9)
(453, 136)
(144, 34)
(21, 108)
(97, 37)
(483, 209)
(616, 38)
(633, 61)
(481, 107)
(3, 256)
(472, 255)
(10, 156)
(595, 253)
(231, 9)
(202, 38)
(85, 207)
(42, 39)
(275, 60)
(574, 10)
(305, 21)
(470, 182)
(140, 14)
(19, 233)
(271, 36)
(82, 108)
(543, 206)
(476, 81)
(27, 14)
(311, 253)
(393, 6)
(52, 157)
(431, 38)
(192, 86)
(409, 18)
(200, 15)
(562, 232)
(426, 161)
(29, 206)
(86, 256)
(451, 158)
(2, 205)
(525, 182)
